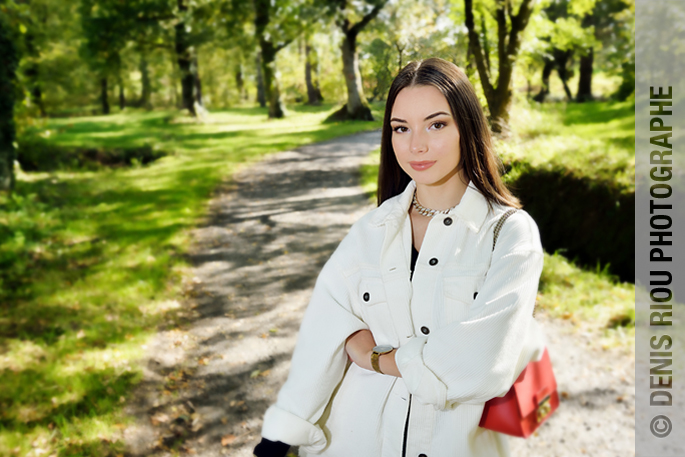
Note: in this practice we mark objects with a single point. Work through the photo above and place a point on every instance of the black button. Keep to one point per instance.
(423, 455)
(433, 261)
(425, 330)
(475, 294)
(447, 221)
(367, 297)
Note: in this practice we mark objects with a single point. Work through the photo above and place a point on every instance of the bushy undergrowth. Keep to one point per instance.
(39, 154)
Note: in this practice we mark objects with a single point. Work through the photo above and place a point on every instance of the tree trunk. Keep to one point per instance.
(585, 81)
(122, 97)
(400, 52)
(32, 73)
(271, 87)
(184, 59)
(268, 51)
(240, 82)
(357, 107)
(561, 59)
(104, 96)
(197, 82)
(146, 92)
(8, 67)
(311, 63)
(261, 92)
(544, 84)
(508, 44)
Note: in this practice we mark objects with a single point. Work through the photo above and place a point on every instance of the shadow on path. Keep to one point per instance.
(208, 383)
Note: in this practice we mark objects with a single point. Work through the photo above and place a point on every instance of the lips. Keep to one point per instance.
(423, 165)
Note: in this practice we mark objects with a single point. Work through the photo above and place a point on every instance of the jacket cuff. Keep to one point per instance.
(420, 381)
(281, 425)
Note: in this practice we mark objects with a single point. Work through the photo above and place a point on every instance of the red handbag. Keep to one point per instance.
(530, 401)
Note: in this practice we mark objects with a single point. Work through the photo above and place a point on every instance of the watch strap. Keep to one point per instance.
(375, 359)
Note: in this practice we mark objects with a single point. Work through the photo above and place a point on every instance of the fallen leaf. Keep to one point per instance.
(254, 374)
(227, 439)
(224, 420)
(159, 418)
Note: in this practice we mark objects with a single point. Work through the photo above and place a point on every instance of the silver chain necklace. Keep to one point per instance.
(427, 211)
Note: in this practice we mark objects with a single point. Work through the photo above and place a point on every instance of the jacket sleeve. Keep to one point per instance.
(478, 359)
(318, 363)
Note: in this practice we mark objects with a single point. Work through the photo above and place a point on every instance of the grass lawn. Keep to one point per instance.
(92, 262)
(591, 139)
(594, 139)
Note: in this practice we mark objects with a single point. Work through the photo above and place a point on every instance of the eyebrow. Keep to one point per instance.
(430, 116)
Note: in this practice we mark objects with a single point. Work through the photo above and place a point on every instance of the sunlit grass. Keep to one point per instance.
(594, 140)
(93, 261)
(589, 299)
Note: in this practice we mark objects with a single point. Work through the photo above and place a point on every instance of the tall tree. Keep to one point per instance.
(185, 54)
(351, 22)
(510, 27)
(311, 73)
(105, 32)
(9, 61)
(277, 24)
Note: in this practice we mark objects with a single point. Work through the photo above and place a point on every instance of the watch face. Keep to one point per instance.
(383, 349)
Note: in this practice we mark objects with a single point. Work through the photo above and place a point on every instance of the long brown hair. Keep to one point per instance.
(478, 160)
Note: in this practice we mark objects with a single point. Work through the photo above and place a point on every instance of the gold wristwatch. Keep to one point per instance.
(375, 355)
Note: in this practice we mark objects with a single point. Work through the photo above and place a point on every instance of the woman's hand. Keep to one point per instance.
(359, 347)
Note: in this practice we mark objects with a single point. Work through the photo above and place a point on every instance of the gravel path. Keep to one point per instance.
(208, 382)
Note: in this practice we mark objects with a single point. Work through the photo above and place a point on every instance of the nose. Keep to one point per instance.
(418, 143)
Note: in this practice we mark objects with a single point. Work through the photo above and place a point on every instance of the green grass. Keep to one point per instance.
(592, 139)
(589, 299)
(93, 261)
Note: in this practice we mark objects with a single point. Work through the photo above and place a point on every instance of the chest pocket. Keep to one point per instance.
(376, 311)
(459, 292)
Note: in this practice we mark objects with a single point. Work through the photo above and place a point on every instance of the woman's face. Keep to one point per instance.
(425, 136)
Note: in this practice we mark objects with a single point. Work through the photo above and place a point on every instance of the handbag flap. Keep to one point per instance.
(534, 383)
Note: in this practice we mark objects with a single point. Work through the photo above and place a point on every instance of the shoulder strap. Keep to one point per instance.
(498, 228)
(500, 223)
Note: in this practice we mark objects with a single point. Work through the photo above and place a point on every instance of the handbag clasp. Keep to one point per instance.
(543, 409)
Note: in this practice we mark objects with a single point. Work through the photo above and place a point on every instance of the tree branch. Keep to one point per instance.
(476, 51)
(356, 28)
(518, 24)
(501, 32)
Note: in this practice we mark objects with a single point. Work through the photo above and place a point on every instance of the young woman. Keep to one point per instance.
(416, 321)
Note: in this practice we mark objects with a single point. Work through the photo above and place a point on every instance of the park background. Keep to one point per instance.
(118, 120)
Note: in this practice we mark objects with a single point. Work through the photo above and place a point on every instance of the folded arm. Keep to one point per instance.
(477, 359)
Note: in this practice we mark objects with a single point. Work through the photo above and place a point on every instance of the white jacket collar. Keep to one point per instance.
(472, 209)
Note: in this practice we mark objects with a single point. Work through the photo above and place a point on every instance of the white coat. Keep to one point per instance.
(463, 337)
